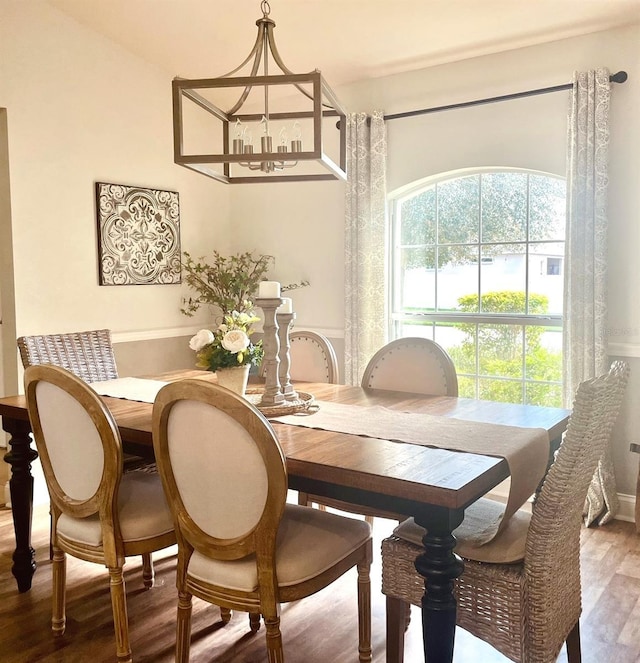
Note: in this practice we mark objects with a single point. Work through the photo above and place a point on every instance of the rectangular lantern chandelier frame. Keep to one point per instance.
(202, 163)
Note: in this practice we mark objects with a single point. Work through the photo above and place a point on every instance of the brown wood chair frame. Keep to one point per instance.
(260, 540)
(104, 503)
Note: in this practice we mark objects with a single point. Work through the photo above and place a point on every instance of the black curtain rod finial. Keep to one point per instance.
(619, 77)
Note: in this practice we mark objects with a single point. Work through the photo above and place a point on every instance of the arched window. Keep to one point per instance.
(477, 264)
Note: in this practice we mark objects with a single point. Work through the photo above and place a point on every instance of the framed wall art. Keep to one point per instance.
(138, 235)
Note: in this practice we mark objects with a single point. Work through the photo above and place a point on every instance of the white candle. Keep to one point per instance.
(268, 290)
(286, 306)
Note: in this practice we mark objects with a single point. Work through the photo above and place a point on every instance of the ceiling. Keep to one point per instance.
(349, 40)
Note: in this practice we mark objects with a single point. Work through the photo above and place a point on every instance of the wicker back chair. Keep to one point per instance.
(529, 605)
(87, 354)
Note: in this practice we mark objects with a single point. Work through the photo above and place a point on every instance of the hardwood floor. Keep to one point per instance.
(322, 628)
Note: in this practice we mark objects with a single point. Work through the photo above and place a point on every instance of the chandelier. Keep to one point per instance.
(294, 112)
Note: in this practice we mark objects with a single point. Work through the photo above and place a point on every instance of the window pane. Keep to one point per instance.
(547, 208)
(500, 350)
(418, 219)
(503, 279)
(467, 387)
(546, 269)
(543, 359)
(449, 335)
(413, 328)
(416, 279)
(458, 281)
(549, 395)
(504, 391)
(504, 207)
(462, 348)
(458, 210)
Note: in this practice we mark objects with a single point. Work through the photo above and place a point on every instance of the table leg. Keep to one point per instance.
(440, 567)
(20, 458)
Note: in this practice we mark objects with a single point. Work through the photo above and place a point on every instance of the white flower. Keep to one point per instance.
(235, 341)
(203, 338)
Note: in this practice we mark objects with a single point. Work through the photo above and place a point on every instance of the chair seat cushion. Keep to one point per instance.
(309, 542)
(506, 548)
(143, 510)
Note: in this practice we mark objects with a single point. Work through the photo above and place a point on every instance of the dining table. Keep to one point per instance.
(432, 484)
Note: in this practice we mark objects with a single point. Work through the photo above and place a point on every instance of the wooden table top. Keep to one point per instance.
(407, 472)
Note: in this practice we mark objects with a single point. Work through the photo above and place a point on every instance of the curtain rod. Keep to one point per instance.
(619, 77)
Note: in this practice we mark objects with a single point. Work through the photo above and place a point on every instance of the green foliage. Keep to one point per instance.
(501, 341)
(500, 349)
(228, 282)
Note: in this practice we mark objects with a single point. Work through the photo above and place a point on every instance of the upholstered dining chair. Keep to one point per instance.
(99, 514)
(88, 355)
(240, 546)
(417, 365)
(313, 358)
(521, 591)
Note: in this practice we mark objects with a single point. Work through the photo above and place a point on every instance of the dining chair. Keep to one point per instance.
(99, 514)
(521, 591)
(413, 364)
(313, 358)
(87, 354)
(417, 365)
(240, 546)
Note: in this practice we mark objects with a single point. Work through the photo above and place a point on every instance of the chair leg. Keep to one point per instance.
(50, 534)
(396, 617)
(147, 570)
(58, 619)
(274, 637)
(225, 615)
(303, 499)
(254, 621)
(120, 618)
(369, 519)
(364, 611)
(183, 627)
(574, 654)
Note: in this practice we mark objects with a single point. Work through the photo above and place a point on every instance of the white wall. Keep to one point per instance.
(82, 109)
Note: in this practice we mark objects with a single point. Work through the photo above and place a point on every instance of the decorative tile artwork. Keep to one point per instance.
(138, 235)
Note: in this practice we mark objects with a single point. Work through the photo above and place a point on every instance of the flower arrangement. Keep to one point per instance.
(230, 345)
(228, 283)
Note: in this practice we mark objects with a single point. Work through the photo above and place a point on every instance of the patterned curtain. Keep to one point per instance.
(365, 242)
(585, 305)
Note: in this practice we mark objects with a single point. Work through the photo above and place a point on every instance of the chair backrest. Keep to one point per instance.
(557, 513)
(416, 365)
(222, 469)
(77, 440)
(313, 358)
(87, 354)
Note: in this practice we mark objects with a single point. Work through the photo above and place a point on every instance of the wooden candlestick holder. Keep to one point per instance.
(285, 320)
(271, 359)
